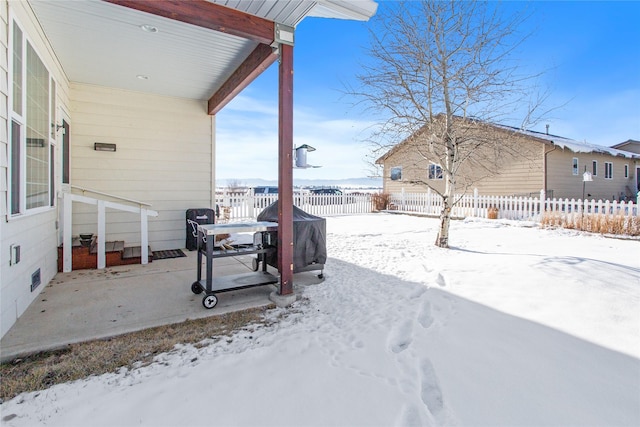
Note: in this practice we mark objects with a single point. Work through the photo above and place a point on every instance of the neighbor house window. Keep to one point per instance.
(626, 171)
(435, 171)
(575, 166)
(396, 173)
(31, 135)
(608, 170)
(594, 170)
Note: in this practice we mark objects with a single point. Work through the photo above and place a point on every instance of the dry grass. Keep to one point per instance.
(594, 223)
(380, 201)
(97, 357)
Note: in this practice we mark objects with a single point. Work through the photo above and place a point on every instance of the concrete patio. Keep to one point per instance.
(89, 304)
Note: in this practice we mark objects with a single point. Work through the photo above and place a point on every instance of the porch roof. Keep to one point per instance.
(163, 47)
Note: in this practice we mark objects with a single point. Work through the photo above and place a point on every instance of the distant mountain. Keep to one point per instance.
(341, 183)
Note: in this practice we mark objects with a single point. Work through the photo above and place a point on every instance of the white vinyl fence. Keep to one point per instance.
(508, 207)
(242, 207)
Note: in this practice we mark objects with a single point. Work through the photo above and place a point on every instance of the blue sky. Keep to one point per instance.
(589, 52)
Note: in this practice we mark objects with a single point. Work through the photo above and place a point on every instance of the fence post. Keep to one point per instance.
(475, 202)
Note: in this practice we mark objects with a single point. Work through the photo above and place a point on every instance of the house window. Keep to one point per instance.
(16, 169)
(575, 166)
(31, 135)
(396, 173)
(435, 171)
(594, 171)
(608, 170)
(626, 171)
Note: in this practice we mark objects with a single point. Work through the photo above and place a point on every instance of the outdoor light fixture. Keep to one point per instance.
(149, 28)
(103, 146)
(284, 34)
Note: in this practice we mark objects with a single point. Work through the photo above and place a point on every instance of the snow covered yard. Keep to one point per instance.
(512, 326)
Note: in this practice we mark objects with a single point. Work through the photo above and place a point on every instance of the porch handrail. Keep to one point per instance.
(67, 215)
(113, 196)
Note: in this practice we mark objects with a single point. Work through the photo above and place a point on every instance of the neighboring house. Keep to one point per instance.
(544, 162)
(630, 145)
(144, 79)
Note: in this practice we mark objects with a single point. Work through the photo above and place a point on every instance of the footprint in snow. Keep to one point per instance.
(440, 280)
(430, 391)
(424, 315)
(410, 416)
(417, 292)
(400, 337)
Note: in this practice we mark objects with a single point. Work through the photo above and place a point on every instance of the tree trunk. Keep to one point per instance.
(445, 219)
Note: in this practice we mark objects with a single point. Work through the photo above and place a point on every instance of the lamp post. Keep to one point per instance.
(586, 177)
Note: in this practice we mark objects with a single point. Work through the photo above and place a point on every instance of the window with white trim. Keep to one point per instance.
(435, 171)
(626, 171)
(608, 170)
(575, 166)
(594, 171)
(32, 129)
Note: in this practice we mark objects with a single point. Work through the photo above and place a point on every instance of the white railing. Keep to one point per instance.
(509, 207)
(67, 215)
(240, 206)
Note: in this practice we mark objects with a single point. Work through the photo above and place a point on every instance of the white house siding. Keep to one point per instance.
(564, 184)
(36, 234)
(163, 157)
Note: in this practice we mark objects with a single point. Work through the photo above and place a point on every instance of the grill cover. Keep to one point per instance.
(309, 238)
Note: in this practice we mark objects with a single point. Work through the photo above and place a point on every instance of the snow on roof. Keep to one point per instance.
(570, 144)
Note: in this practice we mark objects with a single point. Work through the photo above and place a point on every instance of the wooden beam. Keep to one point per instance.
(257, 61)
(207, 15)
(285, 170)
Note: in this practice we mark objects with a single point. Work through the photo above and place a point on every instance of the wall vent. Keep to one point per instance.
(35, 280)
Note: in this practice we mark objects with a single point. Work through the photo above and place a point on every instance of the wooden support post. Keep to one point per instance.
(285, 170)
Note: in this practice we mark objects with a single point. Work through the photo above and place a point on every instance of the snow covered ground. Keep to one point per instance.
(512, 326)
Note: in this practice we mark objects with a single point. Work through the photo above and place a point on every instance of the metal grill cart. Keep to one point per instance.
(262, 245)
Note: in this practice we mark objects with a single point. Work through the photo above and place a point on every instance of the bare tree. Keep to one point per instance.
(235, 186)
(439, 72)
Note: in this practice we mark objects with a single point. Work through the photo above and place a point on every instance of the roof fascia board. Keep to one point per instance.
(207, 15)
(257, 61)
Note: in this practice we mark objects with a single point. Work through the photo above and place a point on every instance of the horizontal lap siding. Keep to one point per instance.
(566, 185)
(522, 174)
(35, 233)
(163, 157)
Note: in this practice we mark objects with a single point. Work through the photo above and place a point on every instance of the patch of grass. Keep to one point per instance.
(97, 357)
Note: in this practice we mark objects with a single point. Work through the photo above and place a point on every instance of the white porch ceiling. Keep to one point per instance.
(103, 44)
